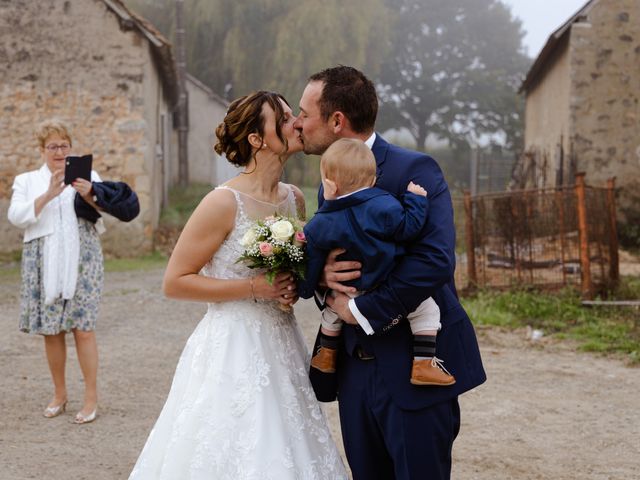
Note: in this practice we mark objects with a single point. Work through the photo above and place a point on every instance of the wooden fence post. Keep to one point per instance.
(469, 240)
(614, 267)
(585, 261)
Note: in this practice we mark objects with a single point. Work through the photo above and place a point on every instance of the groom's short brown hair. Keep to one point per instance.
(349, 91)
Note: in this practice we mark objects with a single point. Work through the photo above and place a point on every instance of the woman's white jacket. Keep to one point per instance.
(22, 211)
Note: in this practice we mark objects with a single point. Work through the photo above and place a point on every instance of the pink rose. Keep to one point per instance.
(266, 249)
(299, 239)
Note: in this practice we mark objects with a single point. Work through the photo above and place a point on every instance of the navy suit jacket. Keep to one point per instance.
(115, 198)
(426, 270)
(368, 224)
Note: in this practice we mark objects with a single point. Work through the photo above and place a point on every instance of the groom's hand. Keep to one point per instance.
(336, 272)
(340, 304)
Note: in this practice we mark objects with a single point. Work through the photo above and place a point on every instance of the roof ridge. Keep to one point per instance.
(552, 42)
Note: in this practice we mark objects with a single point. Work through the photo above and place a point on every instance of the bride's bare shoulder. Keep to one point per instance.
(220, 198)
(219, 203)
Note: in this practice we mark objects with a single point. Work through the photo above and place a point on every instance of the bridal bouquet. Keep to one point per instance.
(275, 244)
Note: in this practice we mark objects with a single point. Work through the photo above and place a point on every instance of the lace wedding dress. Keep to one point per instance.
(241, 405)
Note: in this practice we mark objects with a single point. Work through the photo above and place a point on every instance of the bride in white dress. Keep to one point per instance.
(241, 405)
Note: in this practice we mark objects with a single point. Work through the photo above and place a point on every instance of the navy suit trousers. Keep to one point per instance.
(383, 441)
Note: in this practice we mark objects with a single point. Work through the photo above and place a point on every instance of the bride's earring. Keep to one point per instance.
(264, 145)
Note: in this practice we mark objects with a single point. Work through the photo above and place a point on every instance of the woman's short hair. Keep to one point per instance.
(243, 118)
(349, 163)
(51, 127)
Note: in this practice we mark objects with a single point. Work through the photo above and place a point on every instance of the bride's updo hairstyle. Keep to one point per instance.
(243, 118)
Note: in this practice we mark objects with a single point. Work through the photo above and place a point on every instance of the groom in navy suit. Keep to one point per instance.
(391, 429)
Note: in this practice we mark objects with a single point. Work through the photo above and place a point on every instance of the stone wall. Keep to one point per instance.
(547, 116)
(75, 61)
(605, 78)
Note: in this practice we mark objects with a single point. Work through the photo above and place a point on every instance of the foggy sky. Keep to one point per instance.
(541, 17)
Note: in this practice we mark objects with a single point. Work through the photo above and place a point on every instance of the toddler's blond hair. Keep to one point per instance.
(350, 164)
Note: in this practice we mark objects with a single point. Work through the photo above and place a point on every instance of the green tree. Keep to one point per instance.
(235, 46)
(324, 34)
(453, 71)
(207, 23)
(159, 12)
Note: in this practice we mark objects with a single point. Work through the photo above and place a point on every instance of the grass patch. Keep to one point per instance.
(146, 262)
(182, 202)
(9, 272)
(597, 329)
(629, 289)
(310, 200)
(14, 256)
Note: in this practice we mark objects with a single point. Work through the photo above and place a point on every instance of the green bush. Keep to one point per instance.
(629, 235)
(182, 203)
(629, 231)
(310, 200)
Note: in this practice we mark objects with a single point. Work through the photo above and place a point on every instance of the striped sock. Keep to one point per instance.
(327, 341)
(424, 346)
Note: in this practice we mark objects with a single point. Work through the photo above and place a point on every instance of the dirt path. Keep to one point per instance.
(546, 412)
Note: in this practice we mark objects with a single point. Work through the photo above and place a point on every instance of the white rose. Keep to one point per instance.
(249, 238)
(282, 230)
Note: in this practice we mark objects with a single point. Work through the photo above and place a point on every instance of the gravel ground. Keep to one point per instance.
(546, 412)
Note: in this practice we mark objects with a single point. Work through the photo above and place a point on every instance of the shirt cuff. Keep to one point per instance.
(362, 321)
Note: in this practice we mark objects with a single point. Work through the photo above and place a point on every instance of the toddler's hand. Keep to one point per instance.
(417, 189)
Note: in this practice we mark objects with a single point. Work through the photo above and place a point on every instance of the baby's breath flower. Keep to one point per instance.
(271, 244)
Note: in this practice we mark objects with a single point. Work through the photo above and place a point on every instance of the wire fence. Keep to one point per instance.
(546, 238)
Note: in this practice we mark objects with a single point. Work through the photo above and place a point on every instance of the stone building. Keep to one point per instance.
(582, 109)
(206, 111)
(110, 75)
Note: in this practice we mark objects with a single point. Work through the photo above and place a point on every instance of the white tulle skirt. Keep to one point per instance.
(241, 405)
